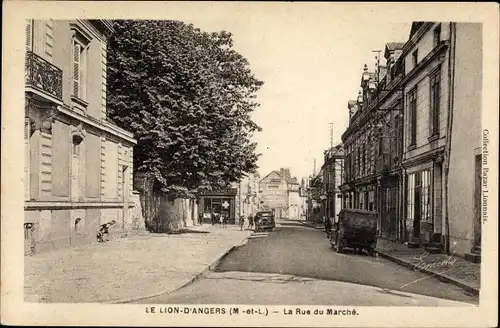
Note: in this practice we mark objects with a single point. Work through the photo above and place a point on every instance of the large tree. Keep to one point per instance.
(187, 96)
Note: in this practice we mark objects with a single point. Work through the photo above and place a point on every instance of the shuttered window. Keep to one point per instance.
(435, 84)
(27, 133)
(77, 48)
(49, 38)
(412, 103)
(29, 35)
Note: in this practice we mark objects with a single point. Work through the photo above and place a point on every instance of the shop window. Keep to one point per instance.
(410, 198)
(426, 195)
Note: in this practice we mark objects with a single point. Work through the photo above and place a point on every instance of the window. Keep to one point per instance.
(410, 198)
(398, 129)
(27, 157)
(412, 119)
(437, 35)
(49, 38)
(371, 201)
(29, 34)
(79, 69)
(426, 196)
(435, 96)
(414, 58)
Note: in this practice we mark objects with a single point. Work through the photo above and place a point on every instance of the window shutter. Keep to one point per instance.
(76, 69)
(49, 37)
(29, 34)
(27, 158)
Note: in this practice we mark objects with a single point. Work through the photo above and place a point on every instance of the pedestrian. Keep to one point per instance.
(241, 222)
(104, 231)
(250, 222)
(328, 227)
(212, 218)
(224, 221)
(221, 219)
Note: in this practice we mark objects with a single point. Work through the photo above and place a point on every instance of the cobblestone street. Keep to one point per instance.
(126, 269)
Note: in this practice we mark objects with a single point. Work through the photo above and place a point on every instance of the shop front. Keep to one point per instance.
(218, 202)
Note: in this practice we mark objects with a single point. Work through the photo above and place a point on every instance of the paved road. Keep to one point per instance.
(295, 265)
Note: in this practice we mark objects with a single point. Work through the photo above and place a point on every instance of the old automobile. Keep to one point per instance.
(264, 221)
(355, 229)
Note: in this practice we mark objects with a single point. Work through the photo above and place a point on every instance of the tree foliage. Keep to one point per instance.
(187, 96)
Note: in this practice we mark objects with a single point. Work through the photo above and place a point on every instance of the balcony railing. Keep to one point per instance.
(43, 75)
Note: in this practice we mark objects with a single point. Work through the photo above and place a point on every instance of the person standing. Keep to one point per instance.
(250, 222)
(241, 222)
(221, 219)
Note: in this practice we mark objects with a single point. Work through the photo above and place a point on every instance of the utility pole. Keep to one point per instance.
(314, 168)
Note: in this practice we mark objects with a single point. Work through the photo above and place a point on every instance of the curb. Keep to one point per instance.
(470, 289)
(311, 226)
(190, 282)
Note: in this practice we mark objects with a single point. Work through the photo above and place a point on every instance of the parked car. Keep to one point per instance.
(264, 221)
(356, 229)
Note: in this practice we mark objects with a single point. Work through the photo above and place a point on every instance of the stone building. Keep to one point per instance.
(249, 201)
(412, 147)
(332, 171)
(78, 164)
(465, 153)
(442, 134)
(279, 192)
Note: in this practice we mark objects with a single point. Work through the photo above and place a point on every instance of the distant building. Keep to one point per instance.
(221, 201)
(279, 192)
(333, 170)
(78, 164)
(249, 201)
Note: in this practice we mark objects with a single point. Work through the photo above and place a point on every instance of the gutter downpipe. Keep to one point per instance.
(449, 129)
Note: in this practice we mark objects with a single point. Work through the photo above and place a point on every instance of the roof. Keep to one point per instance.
(415, 26)
(286, 177)
(351, 103)
(394, 45)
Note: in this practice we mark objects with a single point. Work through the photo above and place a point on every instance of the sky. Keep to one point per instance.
(310, 59)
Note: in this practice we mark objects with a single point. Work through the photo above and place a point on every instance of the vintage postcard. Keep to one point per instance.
(290, 164)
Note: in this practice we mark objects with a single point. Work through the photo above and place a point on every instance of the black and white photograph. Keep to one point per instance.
(250, 164)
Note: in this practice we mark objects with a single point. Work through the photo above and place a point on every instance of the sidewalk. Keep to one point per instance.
(127, 269)
(452, 269)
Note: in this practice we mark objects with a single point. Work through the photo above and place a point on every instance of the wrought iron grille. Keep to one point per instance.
(43, 75)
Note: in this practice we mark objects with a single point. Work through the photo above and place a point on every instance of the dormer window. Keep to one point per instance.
(437, 35)
(414, 57)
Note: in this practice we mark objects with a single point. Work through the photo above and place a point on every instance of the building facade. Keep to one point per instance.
(279, 192)
(78, 164)
(414, 133)
(465, 153)
(222, 202)
(248, 195)
(333, 170)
